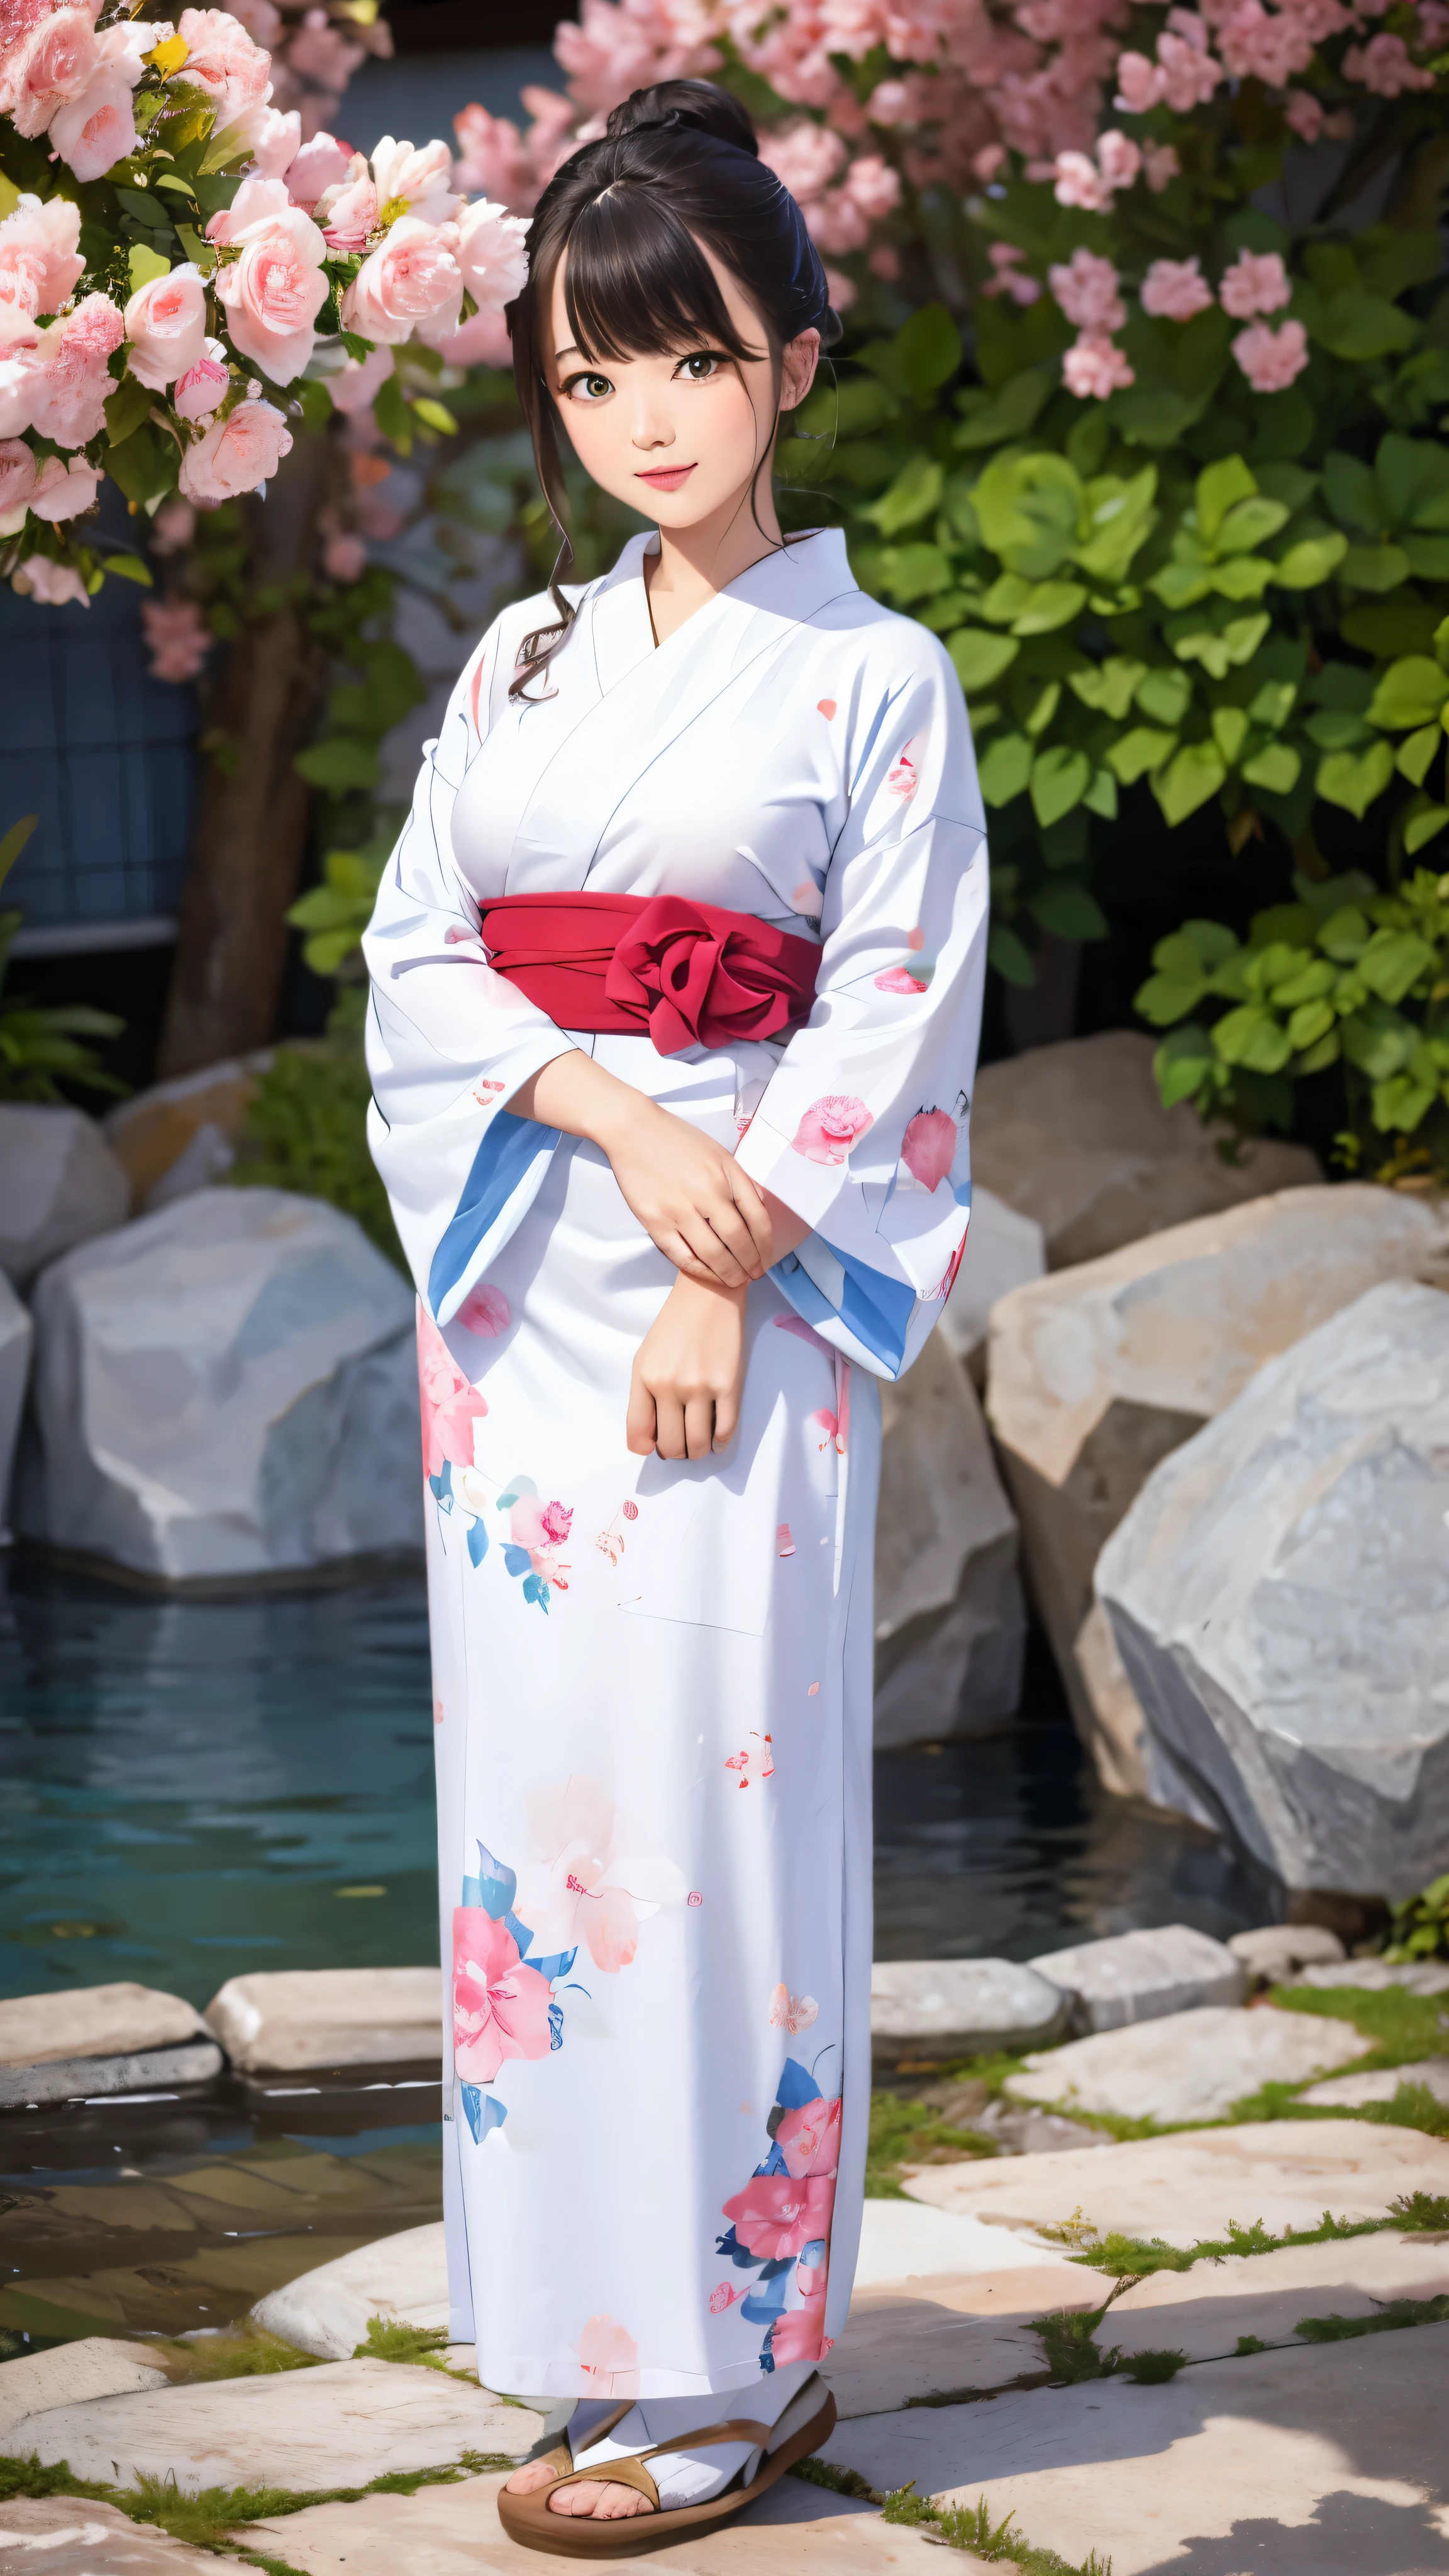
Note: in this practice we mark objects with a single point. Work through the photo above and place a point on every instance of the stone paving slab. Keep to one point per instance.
(1204, 2311)
(1348, 2092)
(336, 2426)
(402, 2277)
(931, 2338)
(72, 2373)
(1284, 2172)
(900, 2238)
(68, 2536)
(795, 2530)
(1188, 2065)
(1325, 2461)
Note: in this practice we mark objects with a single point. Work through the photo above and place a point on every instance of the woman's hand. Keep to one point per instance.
(684, 1397)
(690, 1195)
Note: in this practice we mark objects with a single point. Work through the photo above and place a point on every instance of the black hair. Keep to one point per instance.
(677, 166)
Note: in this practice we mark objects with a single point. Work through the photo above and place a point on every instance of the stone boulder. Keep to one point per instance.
(226, 1389)
(1278, 1593)
(16, 1335)
(1143, 1976)
(1098, 1373)
(403, 2279)
(1003, 1251)
(1075, 1136)
(939, 2009)
(1275, 1952)
(177, 1136)
(1192, 2066)
(122, 2038)
(950, 1624)
(60, 1183)
(275, 2021)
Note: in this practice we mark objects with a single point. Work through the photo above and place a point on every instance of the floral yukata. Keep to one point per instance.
(653, 1681)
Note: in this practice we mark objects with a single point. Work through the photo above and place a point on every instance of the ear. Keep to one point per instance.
(798, 361)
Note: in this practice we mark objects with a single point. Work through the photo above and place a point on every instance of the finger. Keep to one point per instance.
(726, 1417)
(699, 1426)
(669, 1433)
(712, 1254)
(753, 1210)
(730, 1229)
(639, 1421)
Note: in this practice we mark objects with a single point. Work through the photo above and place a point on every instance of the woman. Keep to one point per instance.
(676, 983)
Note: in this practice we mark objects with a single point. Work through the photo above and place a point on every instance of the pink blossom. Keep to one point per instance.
(56, 63)
(1271, 359)
(1255, 46)
(348, 214)
(173, 527)
(830, 1127)
(255, 199)
(419, 178)
(485, 1310)
(50, 585)
(586, 1883)
(481, 341)
(344, 558)
(17, 482)
(494, 159)
(166, 327)
(321, 164)
(776, 2215)
(1095, 367)
(225, 63)
(60, 385)
(1160, 165)
(273, 293)
(39, 263)
(411, 283)
(1304, 113)
(95, 131)
(355, 386)
(492, 254)
(722, 2297)
(1384, 66)
(608, 2354)
(1257, 282)
(276, 139)
(1087, 292)
(262, 22)
(928, 1148)
(873, 186)
(809, 2139)
(805, 158)
(63, 489)
(203, 387)
(177, 637)
(1118, 159)
(842, 290)
(238, 454)
(799, 2335)
(1009, 278)
(1174, 289)
(450, 1405)
(1140, 83)
(321, 53)
(1080, 183)
(500, 2006)
(539, 1526)
(903, 779)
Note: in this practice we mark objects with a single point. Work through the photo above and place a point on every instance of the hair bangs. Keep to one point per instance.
(637, 284)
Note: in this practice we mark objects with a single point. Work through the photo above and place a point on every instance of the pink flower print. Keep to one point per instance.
(485, 1093)
(500, 2007)
(777, 2215)
(586, 1886)
(722, 2297)
(830, 1127)
(916, 940)
(485, 1310)
(809, 2139)
(542, 1528)
(784, 1543)
(903, 780)
(803, 1332)
(752, 1765)
(826, 708)
(904, 979)
(437, 1712)
(807, 898)
(450, 1405)
(608, 2358)
(792, 2012)
(611, 1540)
(827, 1422)
(800, 2333)
(928, 1148)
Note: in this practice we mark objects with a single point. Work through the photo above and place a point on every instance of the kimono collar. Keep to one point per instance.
(791, 584)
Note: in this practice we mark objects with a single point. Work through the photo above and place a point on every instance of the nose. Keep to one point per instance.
(652, 425)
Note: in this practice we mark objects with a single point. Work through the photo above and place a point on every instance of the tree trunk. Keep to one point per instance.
(251, 828)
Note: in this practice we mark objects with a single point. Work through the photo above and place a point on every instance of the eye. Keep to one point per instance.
(699, 367)
(588, 388)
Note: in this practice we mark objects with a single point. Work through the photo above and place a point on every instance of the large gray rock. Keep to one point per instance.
(59, 1184)
(99, 2040)
(1193, 2066)
(1098, 1373)
(926, 2009)
(1143, 1976)
(16, 1335)
(277, 2020)
(1075, 1136)
(227, 1388)
(177, 1136)
(403, 2279)
(1274, 1954)
(1279, 1594)
(950, 1624)
(1003, 1251)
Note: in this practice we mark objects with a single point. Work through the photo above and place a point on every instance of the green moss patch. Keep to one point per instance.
(904, 2132)
(1131, 2257)
(1386, 2320)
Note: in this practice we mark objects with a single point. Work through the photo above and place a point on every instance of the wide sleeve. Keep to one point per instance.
(862, 1128)
(448, 1041)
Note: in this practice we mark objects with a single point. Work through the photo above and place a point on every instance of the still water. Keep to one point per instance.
(192, 1788)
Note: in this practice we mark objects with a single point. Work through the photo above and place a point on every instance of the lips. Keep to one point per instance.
(667, 478)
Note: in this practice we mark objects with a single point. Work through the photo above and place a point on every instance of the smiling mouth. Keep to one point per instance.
(665, 478)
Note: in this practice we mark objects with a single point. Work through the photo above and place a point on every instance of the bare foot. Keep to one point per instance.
(603, 2499)
(528, 2480)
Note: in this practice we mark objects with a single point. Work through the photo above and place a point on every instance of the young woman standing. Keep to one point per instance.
(676, 987)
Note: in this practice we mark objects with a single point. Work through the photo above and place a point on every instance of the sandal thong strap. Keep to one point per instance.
(628, 2470)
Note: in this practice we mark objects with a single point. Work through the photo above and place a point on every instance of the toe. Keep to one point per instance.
(620, 2504)
(577, 2499)
(528, 2479)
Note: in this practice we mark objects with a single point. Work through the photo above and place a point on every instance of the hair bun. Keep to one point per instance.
(694, 103)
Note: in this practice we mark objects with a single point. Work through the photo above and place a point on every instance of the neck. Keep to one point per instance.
(694, 564)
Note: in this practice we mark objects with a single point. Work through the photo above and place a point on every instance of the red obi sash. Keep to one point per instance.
(684, 973)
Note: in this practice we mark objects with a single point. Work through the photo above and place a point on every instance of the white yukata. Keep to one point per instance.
(653, 1681)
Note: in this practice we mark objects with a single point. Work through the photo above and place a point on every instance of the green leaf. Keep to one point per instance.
(1230, 732)
(1252, 1037)
(1101, 796)
(1336, 729)
(1353, 325)
(436, 414)
(1197, 948)
(1376, 568)
(1378, 1040)
(1134, 753)
(914, 494)
(992, 418)
(1186, 1066)
(1006, 768)
(1276, 767)
(1423, 826)
(126, 408)
(1402, 260)
(1416, 754)
(144, 465)
(914, 572)
(339, 762)
(1344, 935)
(144, 264)
(1392, 962)
(1218, 487)
(1308, 1023)
(1196, 772)
(1351, 490)
(1107, 687)
(1120, 515)
(1426, 557)
(1165, 998)
(1009, 955)
(1219, 642)
(1354, 778)
(1059, 780)
(1164, 696)
(1030, 509)
(130, 568)
(1250, 523)
(927, 350)
(1398, 1105)
(1051, 604)
(980, 658)
(391, 413)
(1035, 703)
(1413, 475)
(1411, 692)
(1405, 623)
(1309, 562)
(1069, 912)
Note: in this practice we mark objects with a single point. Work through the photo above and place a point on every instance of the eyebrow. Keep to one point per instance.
(569, 350)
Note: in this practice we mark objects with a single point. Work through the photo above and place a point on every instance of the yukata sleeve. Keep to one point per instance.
(862, 1128)
(448, 1041)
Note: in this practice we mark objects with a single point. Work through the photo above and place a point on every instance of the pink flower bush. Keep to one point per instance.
(1271, 359)
(1174, 289)
(1257, 282)
(53, 585)
(1384, 66)
(492, 254)
(500, 2006)
(421, 181)
(1009, 277)
(410, 283)
(60, 383)
(224, 63)
(830, 1127)
(360, 381)
(175, 631)
(63, 488)
(17, 482)
(319, 165)
(40, 262)
(201, 390)
(166, 327)
(274, 291)
(586, 1887)
(1095, 368)
(776, 2215)
(237, 454)
(450, 1405)
(1087, 292)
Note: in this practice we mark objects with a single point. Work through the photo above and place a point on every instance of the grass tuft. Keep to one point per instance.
(1132, 2258)
(971, 2527)
(846, 2482)
(1387, 2320)
(1249, 2344)
(244, 2351)
(905, 2132)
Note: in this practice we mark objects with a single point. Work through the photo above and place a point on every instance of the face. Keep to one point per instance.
(681, 436)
